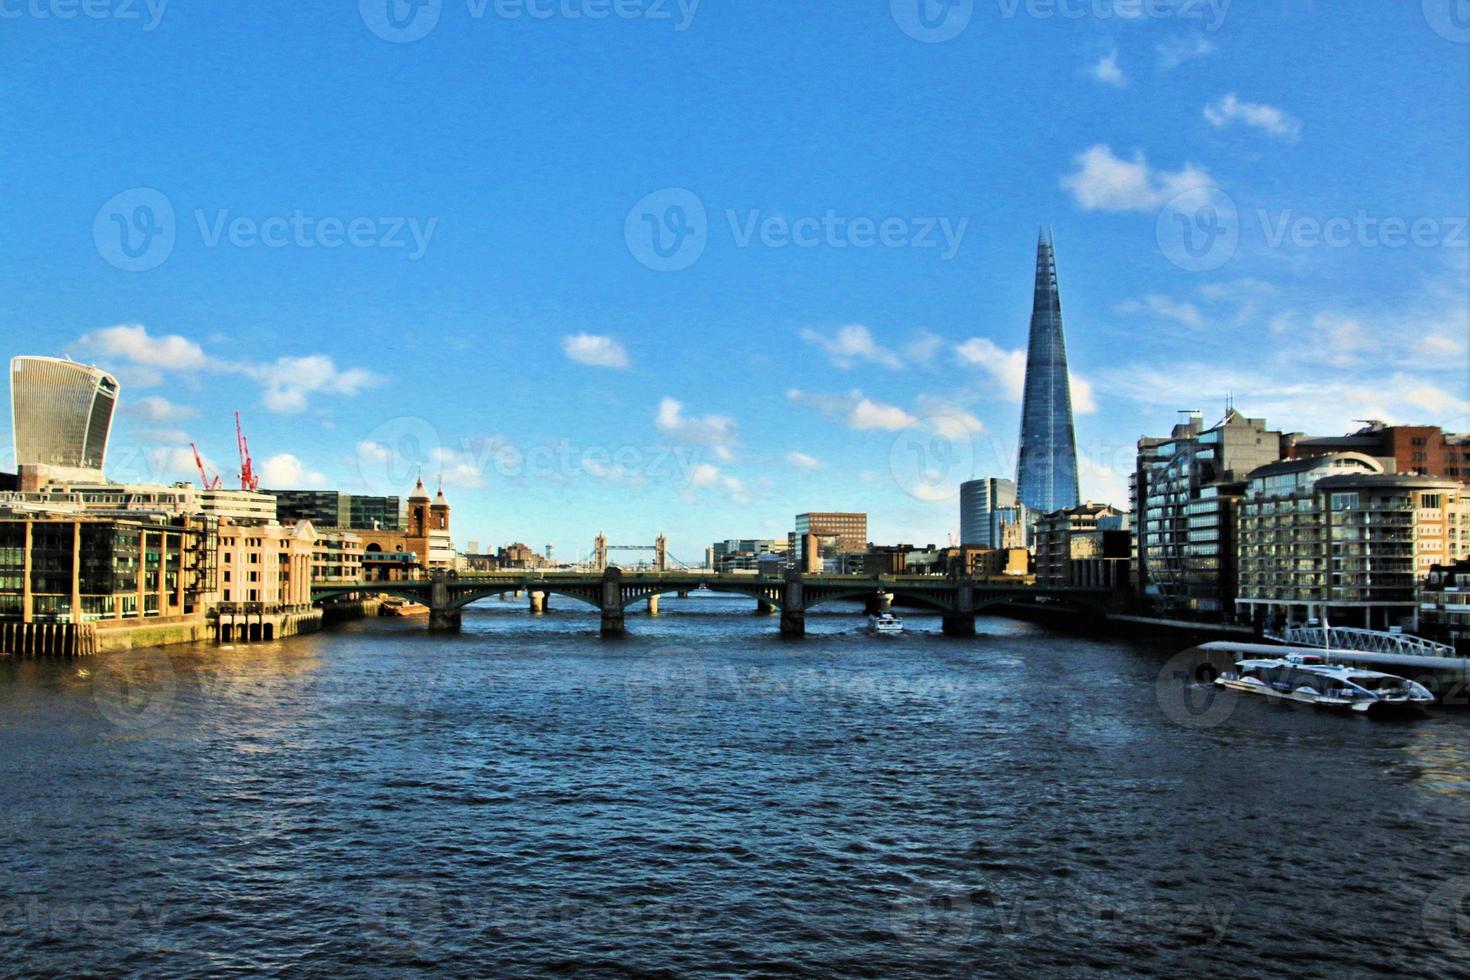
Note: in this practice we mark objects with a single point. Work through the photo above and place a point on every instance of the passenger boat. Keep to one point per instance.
(398, 606)
(885, 624)
(1310, 679)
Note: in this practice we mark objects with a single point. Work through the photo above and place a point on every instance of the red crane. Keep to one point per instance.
(204, 478)
(248, 479)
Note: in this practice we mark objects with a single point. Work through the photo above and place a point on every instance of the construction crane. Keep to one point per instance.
(248, 479)
(204, 478)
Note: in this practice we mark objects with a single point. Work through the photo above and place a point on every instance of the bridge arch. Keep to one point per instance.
(764, 593)
(462, 598)
(412, 591)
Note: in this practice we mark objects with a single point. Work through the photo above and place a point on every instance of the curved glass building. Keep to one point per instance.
(62, 413)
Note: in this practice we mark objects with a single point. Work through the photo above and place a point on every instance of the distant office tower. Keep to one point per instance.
(62, 413)
(986, 507)
(1046, 472)
(848, 532)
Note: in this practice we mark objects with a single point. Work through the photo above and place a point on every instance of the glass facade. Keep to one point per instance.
(1046, 471)
(62, 412)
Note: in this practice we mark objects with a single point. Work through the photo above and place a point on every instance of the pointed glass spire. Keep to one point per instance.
(1046, 471)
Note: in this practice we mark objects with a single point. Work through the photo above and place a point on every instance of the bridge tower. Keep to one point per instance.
(599, 553)
(661, 553)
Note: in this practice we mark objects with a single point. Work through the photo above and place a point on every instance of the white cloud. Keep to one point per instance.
(804, 462)
(287, 382)
(131, 342)
(459, 469)
(285, 472)
(1176, 51)
(1083, 401)
(923, 348)
(1006, 367)
(586, 348)
(856, 410)
(851, 345)
(948, 417)
(157, 409)
(717, 431)
(1108, 72)
(1165, 308)
(1430, 397)
(1105, 182)
(1268, 118)
(707, 475)
(868, 414)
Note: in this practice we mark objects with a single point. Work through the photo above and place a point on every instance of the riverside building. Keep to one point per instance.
(1337, 539)
(1185, 491)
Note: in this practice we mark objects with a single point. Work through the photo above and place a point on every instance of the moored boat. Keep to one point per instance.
(398, 606)
(1310, 679)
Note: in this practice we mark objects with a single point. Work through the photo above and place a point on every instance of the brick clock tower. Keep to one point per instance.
(419, 520)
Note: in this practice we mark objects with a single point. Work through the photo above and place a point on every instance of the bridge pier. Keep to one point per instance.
(539, 603)
(961, 622)
(443, 618)
(793, 608)
(653, 605)
(879, 604)
(612, 603)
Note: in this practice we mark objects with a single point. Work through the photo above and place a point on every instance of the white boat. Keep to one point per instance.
(885, 624)
(1310, 679)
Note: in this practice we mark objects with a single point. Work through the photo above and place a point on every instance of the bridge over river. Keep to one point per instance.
(958, 600)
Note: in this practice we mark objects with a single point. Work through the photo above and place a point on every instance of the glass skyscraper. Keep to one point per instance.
(1046, 471)
(61, 412)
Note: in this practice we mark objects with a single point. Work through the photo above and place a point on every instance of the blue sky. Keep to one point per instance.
(428, 239)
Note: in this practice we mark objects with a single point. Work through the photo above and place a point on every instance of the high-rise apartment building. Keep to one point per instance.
(1335, 538)
(62, 414)
(1046, 471)
(1186, 488)
(990, 515)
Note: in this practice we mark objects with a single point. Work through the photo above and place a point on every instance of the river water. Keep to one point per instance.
(702, 797)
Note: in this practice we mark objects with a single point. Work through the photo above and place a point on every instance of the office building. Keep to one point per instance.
(330, 508)
(990, 515)
(1335, 538)
(1046, 471)
(61, 412)
(1186, 488)
(848, 531)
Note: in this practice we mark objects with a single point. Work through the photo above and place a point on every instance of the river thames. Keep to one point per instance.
(705, 798)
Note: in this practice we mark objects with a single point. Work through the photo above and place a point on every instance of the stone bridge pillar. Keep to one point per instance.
(962, 621)
(539, 603)
(442, 618)
(793, 608)
(879, 603)
(612, 602)
(653, 604)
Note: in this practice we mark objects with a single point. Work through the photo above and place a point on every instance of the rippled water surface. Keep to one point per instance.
(702, 797)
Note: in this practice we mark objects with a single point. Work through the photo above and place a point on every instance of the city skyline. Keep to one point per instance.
(778, 371)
